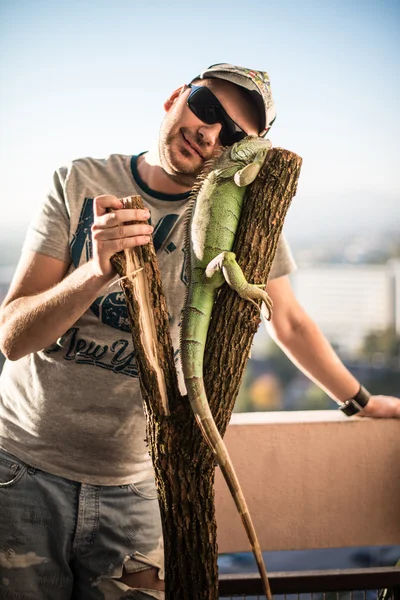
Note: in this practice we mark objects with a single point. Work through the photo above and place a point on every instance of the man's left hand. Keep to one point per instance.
(382, 406)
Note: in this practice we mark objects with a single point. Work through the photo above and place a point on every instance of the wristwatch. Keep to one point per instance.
(357, 403)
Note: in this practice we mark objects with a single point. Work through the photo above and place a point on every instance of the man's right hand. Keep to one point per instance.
(111, 233)
(43, 301)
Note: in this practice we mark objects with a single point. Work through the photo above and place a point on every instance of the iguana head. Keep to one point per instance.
(250, 145)
(251, 152)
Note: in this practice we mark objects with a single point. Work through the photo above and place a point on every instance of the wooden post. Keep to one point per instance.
(183, 463)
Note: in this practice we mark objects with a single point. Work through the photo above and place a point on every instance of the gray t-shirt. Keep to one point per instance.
(74, 409)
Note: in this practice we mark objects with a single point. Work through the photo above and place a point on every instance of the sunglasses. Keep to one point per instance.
(208, 109)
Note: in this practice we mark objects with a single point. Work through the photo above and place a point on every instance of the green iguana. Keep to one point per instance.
(210, 235)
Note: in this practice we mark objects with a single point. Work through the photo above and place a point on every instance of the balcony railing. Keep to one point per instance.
(313, 480)
(351, 584)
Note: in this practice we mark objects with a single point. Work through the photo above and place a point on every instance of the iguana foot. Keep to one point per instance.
(234, 277)
(253, 291)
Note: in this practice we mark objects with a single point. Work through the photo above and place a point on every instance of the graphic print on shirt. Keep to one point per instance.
(117, 357)
(111, 308)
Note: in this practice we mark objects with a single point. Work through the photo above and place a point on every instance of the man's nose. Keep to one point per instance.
(210, 133)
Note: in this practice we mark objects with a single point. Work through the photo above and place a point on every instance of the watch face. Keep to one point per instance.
(350, 407)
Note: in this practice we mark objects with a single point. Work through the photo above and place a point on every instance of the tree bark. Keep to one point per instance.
(234, 320)
(183, 463)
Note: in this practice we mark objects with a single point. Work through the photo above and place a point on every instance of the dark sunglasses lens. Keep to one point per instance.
(203, 104)
(208, 109)
(229, 137)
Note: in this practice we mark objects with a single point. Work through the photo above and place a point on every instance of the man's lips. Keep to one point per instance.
(195, 149)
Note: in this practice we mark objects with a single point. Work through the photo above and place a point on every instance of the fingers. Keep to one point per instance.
(102, 203)
(382, 406)
(104, 218)
(115, 239)
(125, 215)
(119, 225)
(111, 235)
(121, 231)
(115, 230)
(109, 247)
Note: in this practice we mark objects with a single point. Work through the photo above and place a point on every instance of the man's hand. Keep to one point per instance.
(382, 406)
(111, 233)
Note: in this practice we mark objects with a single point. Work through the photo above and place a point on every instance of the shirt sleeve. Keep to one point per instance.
(48, 232)
(283, 263)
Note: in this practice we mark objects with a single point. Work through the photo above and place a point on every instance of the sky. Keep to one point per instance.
(89, 78)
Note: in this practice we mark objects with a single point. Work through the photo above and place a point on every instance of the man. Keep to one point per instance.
(79, 514)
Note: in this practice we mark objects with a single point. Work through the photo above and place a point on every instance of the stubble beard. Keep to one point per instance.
(173, 160)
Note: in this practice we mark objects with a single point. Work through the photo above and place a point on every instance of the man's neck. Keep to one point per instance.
(154, 176)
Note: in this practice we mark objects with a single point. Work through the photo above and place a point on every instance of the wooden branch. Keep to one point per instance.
(234, 320)
(183, 463)
(141, 283)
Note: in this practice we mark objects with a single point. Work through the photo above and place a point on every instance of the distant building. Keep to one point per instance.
(348, 302)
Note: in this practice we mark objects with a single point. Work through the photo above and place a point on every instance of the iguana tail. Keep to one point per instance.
(193, 338)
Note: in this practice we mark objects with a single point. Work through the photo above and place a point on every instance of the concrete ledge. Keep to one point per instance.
(312, 479)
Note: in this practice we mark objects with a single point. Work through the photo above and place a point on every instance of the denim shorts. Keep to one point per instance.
(64, 540)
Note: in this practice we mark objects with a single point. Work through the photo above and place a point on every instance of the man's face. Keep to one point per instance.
(186, 142)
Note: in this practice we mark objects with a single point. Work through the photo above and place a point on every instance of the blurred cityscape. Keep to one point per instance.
(351, 288)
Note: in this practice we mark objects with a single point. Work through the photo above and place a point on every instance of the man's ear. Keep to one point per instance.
(174, 96)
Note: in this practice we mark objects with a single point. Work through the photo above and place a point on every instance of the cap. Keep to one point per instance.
(257, 83)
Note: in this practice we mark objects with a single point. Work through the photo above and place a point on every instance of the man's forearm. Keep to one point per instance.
(31, 323)
(309, 350)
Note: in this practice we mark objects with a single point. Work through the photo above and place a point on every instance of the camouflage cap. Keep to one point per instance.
(257, 83)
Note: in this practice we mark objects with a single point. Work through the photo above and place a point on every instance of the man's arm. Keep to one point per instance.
(306, 346)
(42, 303)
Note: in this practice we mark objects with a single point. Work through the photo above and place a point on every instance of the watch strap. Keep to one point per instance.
(357, 403)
